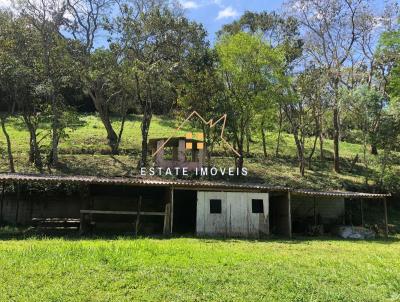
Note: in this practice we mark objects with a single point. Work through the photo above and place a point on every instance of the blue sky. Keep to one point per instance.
(215, 13)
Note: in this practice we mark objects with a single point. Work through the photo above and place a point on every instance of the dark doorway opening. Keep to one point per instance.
(185, 204)
(279, 223)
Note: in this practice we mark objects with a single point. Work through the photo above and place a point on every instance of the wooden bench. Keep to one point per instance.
(122, 213)
(55, 223)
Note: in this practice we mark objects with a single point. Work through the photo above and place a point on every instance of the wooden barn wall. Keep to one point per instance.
(59, 204)
(236, 218)
(125, 198)
(22, 210)
(329, 209)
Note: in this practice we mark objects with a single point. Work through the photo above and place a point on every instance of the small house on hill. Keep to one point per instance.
(188, 152)
(159, 206)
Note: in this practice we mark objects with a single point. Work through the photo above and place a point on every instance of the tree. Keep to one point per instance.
(277, 30)
(200, 90)
(389, 53)
(280, 32)
(332, 30)
(89, 17)
(56, 66)
(251, 70)
(303, 111)
(18, 67)
(156, 40)
(7, 66)
(367, 110)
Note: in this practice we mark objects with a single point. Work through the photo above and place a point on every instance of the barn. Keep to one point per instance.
(160, 206)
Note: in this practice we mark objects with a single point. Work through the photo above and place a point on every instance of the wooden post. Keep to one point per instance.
(138, 215)
(82, 224)
(290, 214)
(1, 203)
(362, 211)
(166, 219)
(17, 203)
(172, 209)
(386, 218)
(351, 212)
(84, 196)
(315, 212)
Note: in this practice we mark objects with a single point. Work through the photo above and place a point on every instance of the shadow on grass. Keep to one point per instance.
(129, 118)
(15, 233)
(105, 166)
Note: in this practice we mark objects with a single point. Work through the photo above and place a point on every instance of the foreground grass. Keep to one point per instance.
(198, 270)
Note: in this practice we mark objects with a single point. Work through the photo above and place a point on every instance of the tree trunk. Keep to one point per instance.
(278, 142)
(102, 109)
(208, 143)
(321, 146)
(374, 149)
(312, 152)
(300, 152)
(248, 144)
(9, 150)
(336, 128)
(318, 128)
(264, 142)
(240, 162)
(145, 127)
(336, 139)
(34, 152)
(239, 141)
(121, 130)
(31, 149)
(53, 158)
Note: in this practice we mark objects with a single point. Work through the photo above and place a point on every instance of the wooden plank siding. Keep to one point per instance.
(236, 218)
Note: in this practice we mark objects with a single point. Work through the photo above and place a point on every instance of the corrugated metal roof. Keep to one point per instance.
(339, 194)
(190, 184)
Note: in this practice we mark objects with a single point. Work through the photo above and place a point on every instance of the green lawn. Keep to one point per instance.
(127, 269)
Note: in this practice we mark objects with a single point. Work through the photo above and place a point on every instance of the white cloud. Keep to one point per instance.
(5, 3)
(227, 12)
(186, 4)
(217, 2)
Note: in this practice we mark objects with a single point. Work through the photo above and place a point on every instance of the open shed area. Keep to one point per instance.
(166, 207)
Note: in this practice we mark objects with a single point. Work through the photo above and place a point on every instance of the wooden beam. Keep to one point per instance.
(386, 218)
(122, 213)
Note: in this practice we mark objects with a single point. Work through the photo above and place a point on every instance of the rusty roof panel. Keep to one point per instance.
(206, 185)
(339, 194)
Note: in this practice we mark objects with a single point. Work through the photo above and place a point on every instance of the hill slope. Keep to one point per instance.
(84, 151)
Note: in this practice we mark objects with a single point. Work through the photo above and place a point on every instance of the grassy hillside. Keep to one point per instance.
(85, 151)
(198, 270)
